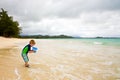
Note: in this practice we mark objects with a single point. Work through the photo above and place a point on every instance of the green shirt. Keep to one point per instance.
(26, 49)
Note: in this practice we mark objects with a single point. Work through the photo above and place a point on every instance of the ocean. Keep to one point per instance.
(97, 41)
(102, 41)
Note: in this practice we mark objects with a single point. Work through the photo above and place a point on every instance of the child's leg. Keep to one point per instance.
(26, 59)
(26, 64)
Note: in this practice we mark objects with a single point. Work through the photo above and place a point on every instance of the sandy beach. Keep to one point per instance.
(59, 60)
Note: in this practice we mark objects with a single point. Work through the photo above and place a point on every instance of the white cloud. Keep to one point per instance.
(88, 24)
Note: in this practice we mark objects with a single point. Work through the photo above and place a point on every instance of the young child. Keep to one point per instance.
(27, 49)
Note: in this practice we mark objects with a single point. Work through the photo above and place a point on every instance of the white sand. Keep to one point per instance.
(8, 42)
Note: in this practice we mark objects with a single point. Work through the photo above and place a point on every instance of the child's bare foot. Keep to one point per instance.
(27, 65)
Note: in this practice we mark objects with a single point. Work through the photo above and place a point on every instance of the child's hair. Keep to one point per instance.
(32, 42)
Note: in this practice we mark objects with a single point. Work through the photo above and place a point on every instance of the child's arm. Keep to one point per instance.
(31, 51)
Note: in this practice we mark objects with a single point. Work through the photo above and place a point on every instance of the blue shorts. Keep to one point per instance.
(25, 57)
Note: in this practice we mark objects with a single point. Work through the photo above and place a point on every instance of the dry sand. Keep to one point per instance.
(10, 59)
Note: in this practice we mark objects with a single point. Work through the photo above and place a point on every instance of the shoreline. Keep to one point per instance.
(10, 42)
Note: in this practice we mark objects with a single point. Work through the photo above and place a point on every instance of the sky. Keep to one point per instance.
(80, 18)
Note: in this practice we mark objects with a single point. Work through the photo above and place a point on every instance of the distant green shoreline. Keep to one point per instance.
(63, 37)
(45, 36)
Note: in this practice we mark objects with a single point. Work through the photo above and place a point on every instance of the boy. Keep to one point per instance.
(26, 50)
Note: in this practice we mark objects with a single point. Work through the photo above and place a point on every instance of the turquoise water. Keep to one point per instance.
(102, 41)
(97, 41)
(94, 41)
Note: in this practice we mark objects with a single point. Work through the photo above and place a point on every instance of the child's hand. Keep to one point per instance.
(34, 51)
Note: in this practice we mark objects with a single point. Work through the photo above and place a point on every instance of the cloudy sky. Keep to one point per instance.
(84, 18)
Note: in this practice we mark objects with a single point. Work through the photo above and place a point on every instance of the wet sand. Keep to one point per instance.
(60, 60)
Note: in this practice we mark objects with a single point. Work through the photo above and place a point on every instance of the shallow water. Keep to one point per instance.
(62, 60)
